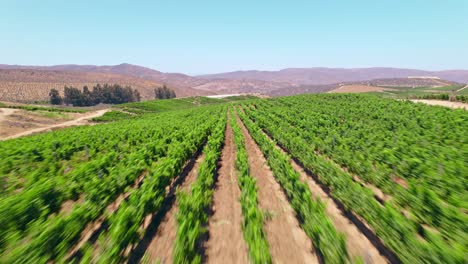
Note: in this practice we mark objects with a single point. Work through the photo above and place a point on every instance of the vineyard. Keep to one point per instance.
(331, 178)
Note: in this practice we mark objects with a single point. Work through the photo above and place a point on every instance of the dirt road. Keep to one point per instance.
(443, 103)
(288, 241)
(161, 246)
(83, 120)
(226, 243)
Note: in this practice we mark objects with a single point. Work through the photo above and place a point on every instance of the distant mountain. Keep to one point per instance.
(320, 76)
(190, 85)
(29, 84)
(176, 79)
(274, 83)
(363, 86)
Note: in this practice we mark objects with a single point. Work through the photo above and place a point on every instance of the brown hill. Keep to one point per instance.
(362, 86)
(319, 76)
(274, 83)
(26, 85)
(406, 82)
(174, 80)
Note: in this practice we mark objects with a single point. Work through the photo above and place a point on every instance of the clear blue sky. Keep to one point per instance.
(214, 36)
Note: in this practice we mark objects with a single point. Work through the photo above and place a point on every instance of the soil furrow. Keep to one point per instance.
(161, 245)
(162, 222)
(92, 231)
(288, 242)
(226, 243)
(357, 243)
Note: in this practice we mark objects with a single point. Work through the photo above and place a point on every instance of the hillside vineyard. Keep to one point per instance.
(332, 178)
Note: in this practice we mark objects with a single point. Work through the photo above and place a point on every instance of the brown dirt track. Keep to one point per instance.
(359, 89)
(32, 124)
(226, 243)
(161, 246)
(288, 242)
(443, 103)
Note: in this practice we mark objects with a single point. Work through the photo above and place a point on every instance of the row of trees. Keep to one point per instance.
(106, 94)
(164, 93)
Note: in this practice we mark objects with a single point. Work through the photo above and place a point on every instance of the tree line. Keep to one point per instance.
(106, 94)
(164, 93)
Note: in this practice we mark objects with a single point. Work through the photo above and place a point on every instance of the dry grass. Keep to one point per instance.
(34, 85)
(359, 89)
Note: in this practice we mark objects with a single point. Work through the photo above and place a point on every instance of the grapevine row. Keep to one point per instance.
(393, 228)
(192, 215)
(317, 225)
(252, 222)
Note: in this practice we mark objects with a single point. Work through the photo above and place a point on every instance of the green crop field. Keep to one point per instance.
(360, 179)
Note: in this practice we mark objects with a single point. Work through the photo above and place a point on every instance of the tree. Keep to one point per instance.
(107, 94)
(73, 96)
(136, 96)
(164, 93)
(55, 98)
(87, 99)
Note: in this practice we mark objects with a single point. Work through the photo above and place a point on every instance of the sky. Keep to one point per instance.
(199, 37)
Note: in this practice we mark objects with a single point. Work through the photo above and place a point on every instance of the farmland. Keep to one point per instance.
(330, 178)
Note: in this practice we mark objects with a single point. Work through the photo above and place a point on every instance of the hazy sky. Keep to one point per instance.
(214, 36)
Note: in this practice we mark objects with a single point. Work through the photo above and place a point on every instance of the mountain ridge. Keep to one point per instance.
(281, 82)
(323, 75)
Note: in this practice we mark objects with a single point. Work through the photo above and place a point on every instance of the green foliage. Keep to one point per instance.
(164, 93)
(106, 94)
(314, 220)
(97, 163)
(157, 106)
(55, 98)
(192, 215)
(382, 140)
(48, 109)
(112, 116)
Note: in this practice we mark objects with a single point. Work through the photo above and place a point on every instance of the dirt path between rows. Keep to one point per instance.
(357, 243)
(162, 244)
(83, 120)
(226, 242)
(288, 242)
(442, 103)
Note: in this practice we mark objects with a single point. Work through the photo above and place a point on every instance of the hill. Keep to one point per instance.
(319, 76)
(376, 85)
(34, 82)
(189, 85)
(26, 85)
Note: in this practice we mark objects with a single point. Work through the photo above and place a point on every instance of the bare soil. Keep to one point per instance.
(443, 103)
(226, 243)
(161, 246)
(288, 242)
(359, 89)
(23, 123)
(4, 112)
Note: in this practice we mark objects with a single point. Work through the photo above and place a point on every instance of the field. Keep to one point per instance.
(330, 178)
